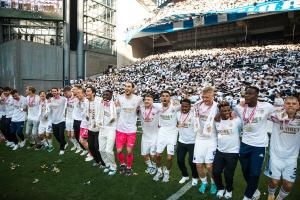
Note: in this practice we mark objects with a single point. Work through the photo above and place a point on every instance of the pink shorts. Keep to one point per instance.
(122, 138)
(84, 133)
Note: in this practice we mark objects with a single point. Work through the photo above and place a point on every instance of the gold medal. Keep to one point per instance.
(208, 129)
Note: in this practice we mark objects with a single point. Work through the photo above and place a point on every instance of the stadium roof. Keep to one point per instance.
(22, 14)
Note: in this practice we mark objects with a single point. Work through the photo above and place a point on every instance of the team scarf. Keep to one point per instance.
(112, 112)
(208, 125)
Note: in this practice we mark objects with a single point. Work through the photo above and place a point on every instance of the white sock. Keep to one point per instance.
(49, 142)
(271, 191)
(212, 181)
(167, 171)
(282, 194)
(203, 180)
(45, 143)
(148, 163)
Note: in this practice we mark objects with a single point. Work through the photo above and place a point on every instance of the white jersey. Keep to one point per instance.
(43, 113)
(128, 113)
(285, 138)
(185, 122)
(255, 132)
(92, 109)
(2, 108)
(70, 107)
(33, 107)
(78, 111)
(168, 117)
(229, 135)
(57, 107)
(8, 103)
(149, 122)
(19, 115)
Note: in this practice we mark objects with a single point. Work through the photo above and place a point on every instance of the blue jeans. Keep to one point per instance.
(16, 129)
(251, 159)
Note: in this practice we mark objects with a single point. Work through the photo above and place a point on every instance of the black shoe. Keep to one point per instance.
(122, 169)
(38, 147)
(129, 172)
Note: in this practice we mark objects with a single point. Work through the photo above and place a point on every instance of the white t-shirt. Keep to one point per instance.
(18, 114)
(168, 117)
(78, 111)
(33, 107)
(8, 103)
(70, 107)
(128, 113)
(2, 108)
(187, 134)
(57, 109)
(149, 121)
(229, 135)
(255, 133)
(285, 139)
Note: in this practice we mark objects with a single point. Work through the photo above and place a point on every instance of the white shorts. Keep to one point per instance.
(148, 147)
(166, 139)
(45, 128)
(69, 125)
(204, 151)
(285, 168)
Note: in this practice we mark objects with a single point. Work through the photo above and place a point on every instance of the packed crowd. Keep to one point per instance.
(273, 69)
(192, 6)
(213, 134)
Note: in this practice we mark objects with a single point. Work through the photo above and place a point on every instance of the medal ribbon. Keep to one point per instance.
(251, 116)
(146, 115)
(181, 116)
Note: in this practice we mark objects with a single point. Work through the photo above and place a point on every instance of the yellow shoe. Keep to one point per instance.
(271, 197)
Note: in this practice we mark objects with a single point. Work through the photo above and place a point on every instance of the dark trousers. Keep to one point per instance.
(76, 127)
(182, 150)
(59, 134)
(2, 127)
(251, 159)
(224, 162)
(94, 147)
(16, 129)
(6, 129)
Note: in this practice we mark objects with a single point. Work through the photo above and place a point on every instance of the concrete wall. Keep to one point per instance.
(25, 63)
(97, 63)
(133, 14)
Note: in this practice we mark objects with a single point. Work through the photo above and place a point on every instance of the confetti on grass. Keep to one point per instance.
(35, 180)
(13, 166)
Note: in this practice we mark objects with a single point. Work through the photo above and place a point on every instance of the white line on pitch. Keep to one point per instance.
(181, 191)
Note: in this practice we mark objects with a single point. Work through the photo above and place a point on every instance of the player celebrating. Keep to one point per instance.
(167, 135)
(284, 148)
(107, 134)
(18, 119)
(186, 141)
(206, 138)
(149, 121)
(227, 154)
(128, 105)
(57, 107)
(32, 124)
(78, 116)
(45, 126)
(69, 116)
(7, 102)
(92, 109)
(254, 140)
